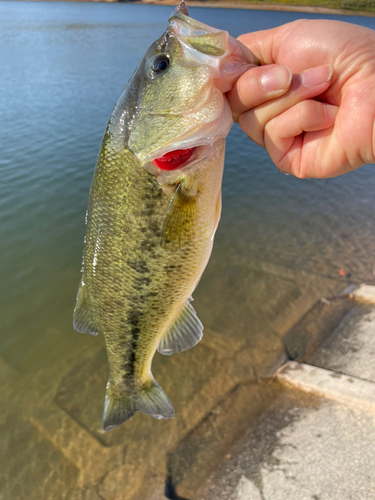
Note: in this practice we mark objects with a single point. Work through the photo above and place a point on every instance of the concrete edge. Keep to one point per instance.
(364, 293)
(328, 384)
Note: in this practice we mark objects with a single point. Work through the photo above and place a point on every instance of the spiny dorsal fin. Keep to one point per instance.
(185, 332)
(180, 220)
(83, 320)
(182, 8)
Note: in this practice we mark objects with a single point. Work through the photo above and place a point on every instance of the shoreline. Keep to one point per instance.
(268, 6)
(234, 5)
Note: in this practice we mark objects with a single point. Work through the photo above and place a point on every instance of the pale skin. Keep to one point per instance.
(311, 103)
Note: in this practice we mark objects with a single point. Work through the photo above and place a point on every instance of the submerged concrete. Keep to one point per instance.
(53, 445)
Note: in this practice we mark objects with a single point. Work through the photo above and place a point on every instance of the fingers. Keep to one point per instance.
(258, 85)
(297, 140)
(309, 84)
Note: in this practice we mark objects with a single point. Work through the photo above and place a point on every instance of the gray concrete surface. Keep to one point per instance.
(351, 347)
(317, 440)
(301, 448)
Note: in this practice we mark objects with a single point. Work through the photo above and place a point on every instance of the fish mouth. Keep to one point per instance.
(174, 159)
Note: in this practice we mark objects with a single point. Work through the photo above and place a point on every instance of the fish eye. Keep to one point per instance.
(160, 64)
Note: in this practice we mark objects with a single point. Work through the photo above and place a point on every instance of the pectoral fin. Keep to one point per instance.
(180, 221)
(185, 332)
(83, 320)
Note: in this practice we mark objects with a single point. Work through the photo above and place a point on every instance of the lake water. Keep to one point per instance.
(63, 66)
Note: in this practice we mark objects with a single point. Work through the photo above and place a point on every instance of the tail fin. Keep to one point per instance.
(151, 400)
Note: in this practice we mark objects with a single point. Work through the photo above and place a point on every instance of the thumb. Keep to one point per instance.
(258, 85)
(262, 83)
(263, 44)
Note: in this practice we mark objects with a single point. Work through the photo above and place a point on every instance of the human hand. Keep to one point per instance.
(320, 121)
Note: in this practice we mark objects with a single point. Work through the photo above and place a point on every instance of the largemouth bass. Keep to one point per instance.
(154, 207)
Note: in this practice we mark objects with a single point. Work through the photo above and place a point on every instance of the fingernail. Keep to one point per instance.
(316, 76)
(331, 111)
(277, 78)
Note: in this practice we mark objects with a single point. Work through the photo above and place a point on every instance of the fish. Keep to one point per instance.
(153, 209)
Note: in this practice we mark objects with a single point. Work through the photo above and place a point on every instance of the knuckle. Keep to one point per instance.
(271, 129)
(306, 109)
(251, 127)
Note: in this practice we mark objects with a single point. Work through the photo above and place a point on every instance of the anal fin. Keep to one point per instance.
(185, 333)
(83, 320)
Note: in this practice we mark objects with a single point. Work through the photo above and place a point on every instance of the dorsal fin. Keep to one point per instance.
(182, 8)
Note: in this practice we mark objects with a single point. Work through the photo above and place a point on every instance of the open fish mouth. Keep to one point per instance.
(174, 159)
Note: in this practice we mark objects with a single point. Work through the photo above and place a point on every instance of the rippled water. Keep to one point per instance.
(63, 66)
